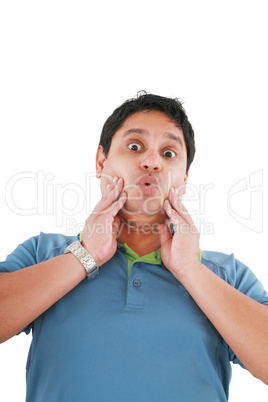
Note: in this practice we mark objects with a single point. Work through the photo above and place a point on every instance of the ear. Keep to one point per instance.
(185, 182)
(100, 161)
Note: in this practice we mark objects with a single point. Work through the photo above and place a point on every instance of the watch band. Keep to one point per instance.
(84, 257)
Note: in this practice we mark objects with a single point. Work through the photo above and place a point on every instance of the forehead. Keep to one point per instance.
(150, 124)
(154, 121)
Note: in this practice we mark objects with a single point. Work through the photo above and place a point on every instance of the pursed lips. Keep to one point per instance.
(147, 181)
(147, 184)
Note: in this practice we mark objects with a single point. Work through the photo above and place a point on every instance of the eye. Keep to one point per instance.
(134, 146)
(169, 154)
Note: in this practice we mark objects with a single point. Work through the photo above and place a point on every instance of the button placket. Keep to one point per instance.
(135, 296)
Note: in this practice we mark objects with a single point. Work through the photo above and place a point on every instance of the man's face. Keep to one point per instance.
(149, 153)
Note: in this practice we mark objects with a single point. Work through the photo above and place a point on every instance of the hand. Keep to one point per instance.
(180, 251)
(101, 227)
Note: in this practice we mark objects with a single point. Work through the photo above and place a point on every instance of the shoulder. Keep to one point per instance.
(221, 264)
(35, 250)
(50, 244)
(236, 273)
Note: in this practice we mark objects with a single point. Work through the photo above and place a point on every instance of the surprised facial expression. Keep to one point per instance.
(149, 153)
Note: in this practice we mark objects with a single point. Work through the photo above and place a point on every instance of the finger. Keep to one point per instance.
(184, 212)
(179, 207)
(175, 218)
(115, 188)
(105, 201)
(117, 205)
(118, 189)
(115, 226)
(164, 233)
(111, 185)
(111, 194)
(179, 222)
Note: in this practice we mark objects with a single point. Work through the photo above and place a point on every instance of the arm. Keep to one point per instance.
(240, 320)
(27, 293)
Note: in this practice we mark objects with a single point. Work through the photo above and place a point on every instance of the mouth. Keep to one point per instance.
(148, 185)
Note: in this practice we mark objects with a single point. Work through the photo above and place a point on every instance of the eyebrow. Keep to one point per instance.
(141, 131)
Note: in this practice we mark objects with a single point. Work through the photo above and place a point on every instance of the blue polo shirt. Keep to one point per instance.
(131, 334)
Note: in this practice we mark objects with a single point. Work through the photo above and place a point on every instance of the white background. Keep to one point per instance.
(64, 68)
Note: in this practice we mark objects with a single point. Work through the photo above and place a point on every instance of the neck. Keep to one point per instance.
(141, 237)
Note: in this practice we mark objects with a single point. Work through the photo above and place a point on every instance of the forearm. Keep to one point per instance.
(241, 321)
(27, 293)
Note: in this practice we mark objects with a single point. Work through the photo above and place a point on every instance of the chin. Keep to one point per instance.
(149, 207)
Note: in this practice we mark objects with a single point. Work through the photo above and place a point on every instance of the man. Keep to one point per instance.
(161, 320)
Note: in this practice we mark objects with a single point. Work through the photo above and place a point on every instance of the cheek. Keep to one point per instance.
(175, 176)
(107, 176)
(180, 185)
(111, 170)
(116, 164)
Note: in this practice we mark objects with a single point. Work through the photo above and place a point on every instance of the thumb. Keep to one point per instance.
(164, 233)
(115, 226)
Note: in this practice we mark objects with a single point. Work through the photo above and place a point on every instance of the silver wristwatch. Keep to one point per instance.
(84, 257)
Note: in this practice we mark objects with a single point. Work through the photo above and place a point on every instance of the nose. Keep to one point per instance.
(151, 163)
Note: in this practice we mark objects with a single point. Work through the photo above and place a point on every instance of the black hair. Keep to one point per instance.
(144, 101)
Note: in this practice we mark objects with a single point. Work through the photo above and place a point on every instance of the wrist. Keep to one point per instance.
(97, 260)
(75, 265)
(188, 273)
(84, 257)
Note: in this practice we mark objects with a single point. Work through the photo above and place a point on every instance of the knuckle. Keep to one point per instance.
(105, 196)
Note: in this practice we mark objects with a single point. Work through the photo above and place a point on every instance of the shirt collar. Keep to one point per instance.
(154, 257)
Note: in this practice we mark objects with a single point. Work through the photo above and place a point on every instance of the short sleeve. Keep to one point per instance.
(23, 256)
(34, 251)
(239, 276)
(247, 283)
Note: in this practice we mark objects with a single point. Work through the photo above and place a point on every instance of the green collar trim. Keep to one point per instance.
(153, 258)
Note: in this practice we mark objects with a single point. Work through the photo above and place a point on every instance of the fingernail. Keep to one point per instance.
(115, 179)
(108, 185)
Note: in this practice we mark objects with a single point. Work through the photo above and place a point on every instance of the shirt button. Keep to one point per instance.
(136, 282)
(138, 264)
